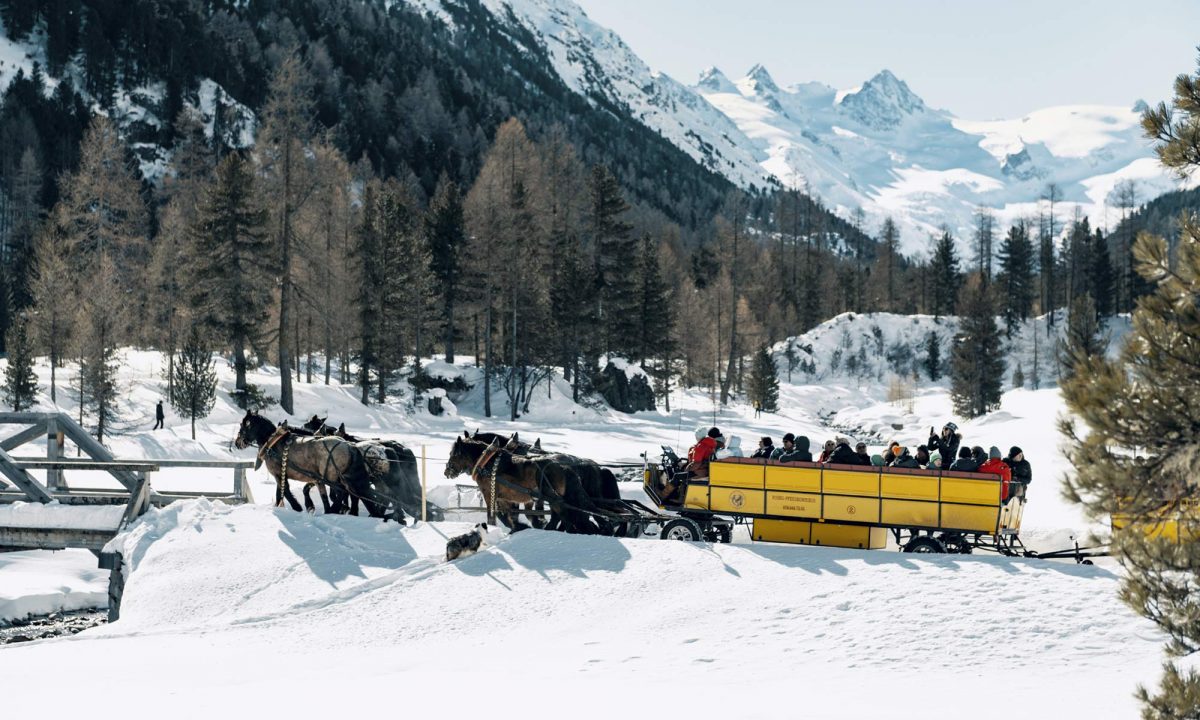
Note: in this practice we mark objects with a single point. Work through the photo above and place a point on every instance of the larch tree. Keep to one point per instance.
(287, 120)
(233, 268)
(976, 361)
(52, 289)
(103, 316)
(984, 237)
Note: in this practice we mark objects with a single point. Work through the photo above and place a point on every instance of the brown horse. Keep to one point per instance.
(466, 452)
(290, 455)
(515, 479)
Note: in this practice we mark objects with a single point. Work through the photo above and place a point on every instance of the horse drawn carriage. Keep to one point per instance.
(925, 511)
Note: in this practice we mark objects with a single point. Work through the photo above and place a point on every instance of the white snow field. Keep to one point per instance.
(247, 610)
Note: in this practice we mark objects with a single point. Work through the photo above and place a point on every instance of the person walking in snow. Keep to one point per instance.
(757, 409)
(158, 416)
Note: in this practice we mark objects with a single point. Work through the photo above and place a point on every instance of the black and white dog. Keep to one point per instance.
(469, 544)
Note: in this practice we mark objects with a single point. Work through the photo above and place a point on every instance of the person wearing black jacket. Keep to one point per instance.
(765, 447)
(861, 451)
(1022, 473)
(843, 454)
(904, 459)
(965, 463)
(799, 454)
(945, 444)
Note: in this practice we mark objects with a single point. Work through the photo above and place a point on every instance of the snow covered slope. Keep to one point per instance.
(253, 610)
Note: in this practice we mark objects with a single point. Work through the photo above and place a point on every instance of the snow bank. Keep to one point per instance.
(224, 605)
(66, 517)
(40, 582)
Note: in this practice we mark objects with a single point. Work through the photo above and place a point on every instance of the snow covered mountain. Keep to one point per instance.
(878, 147)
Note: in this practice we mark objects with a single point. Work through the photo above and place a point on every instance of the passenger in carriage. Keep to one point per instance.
(964, 463)
(861, 451)
(922, 456)
(877, 460)
(996, 466)
(935, 462)
(787, 446)
(1022, 473)
(890, 454)
(827, 451)
(843, 455)
(733, 448)
(979, 455)
(798, 453)
(766, 446)
(947, 443)
(703, 452)
(903, 459)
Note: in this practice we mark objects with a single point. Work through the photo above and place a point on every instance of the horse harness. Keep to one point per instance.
(534, 493)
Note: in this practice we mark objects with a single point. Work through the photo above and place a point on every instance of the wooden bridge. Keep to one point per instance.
(83, 517)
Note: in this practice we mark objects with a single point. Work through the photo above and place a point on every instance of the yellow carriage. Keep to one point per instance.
(841, 505)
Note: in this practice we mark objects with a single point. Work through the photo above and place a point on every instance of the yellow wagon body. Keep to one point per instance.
(851, 506)
(1179, 523)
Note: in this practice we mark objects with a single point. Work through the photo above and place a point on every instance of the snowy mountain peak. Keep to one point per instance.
(713, 80)
(760, 80)
(883, 102)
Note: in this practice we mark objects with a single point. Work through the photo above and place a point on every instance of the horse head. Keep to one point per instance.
(315, 423)
(254, 430)
(463, 455)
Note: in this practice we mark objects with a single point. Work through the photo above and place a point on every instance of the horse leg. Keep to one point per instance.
(308, 503)
(287, 493)
(324, 498)
(536, 520)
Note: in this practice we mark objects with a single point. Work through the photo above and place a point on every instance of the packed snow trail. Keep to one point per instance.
(251, 609)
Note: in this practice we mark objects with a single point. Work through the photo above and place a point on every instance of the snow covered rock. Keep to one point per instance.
(624, 386)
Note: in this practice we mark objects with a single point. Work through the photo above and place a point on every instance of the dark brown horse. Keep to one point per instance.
(463, 457)
(515, 480)
(256, 430)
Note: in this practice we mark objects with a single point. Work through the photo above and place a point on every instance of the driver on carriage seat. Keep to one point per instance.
(703, 452)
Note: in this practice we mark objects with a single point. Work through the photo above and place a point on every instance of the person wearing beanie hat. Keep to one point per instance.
(1022, 473)
(799, 451)
(788, 445)
(947, 443)
(703, 452)
(995, 466)
(922, 455)
(843, 454)
(935, 462)
(890, 454)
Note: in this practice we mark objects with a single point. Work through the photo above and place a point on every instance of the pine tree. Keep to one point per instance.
(976, 363)
(1083, 339)
(945, 276)
(371, 287)
(232, 273)
(654, 306)
(195, 379)
(763, 390)
(1016, 277)
(53, 317)
(615, 254)
(446, 236)
(1138, 454)
(933, 356)
(1047, 275)
(101, 319)
(1100, 280)
(985, 233)
(20, 383)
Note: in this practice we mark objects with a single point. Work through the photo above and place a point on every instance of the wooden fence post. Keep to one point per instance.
(54, 447)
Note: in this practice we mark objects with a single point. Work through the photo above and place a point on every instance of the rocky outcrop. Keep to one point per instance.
(624, 389)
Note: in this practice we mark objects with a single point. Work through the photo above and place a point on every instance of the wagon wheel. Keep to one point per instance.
(726, 533)
(924, 544)
(681, 528)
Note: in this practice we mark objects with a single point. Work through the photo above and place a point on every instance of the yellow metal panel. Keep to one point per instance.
(908, 487)
(697, 497)
(850, 482)
(849, 536)
(795, 479)
(737, 500)
(854, 509)
(967, 490)
(806, 505)
(786, 531)
(743, 475)
(907, 513)
(975, 518)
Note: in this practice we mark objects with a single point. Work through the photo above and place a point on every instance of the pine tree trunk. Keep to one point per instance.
(449, 339)
(297, 356)
(308, 369)
(239, 366)
(513, 396)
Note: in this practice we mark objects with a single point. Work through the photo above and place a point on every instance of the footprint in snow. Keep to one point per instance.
(689, 641)
(843, 606)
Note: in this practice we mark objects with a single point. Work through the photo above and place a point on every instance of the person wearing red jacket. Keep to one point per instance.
(702, 452)
(996, 466)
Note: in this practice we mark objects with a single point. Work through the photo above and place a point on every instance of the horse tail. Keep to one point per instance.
(609, 490)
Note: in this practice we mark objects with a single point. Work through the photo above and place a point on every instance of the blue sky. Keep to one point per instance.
(980, 60)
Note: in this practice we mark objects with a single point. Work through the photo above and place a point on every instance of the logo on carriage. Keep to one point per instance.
(737, 500)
